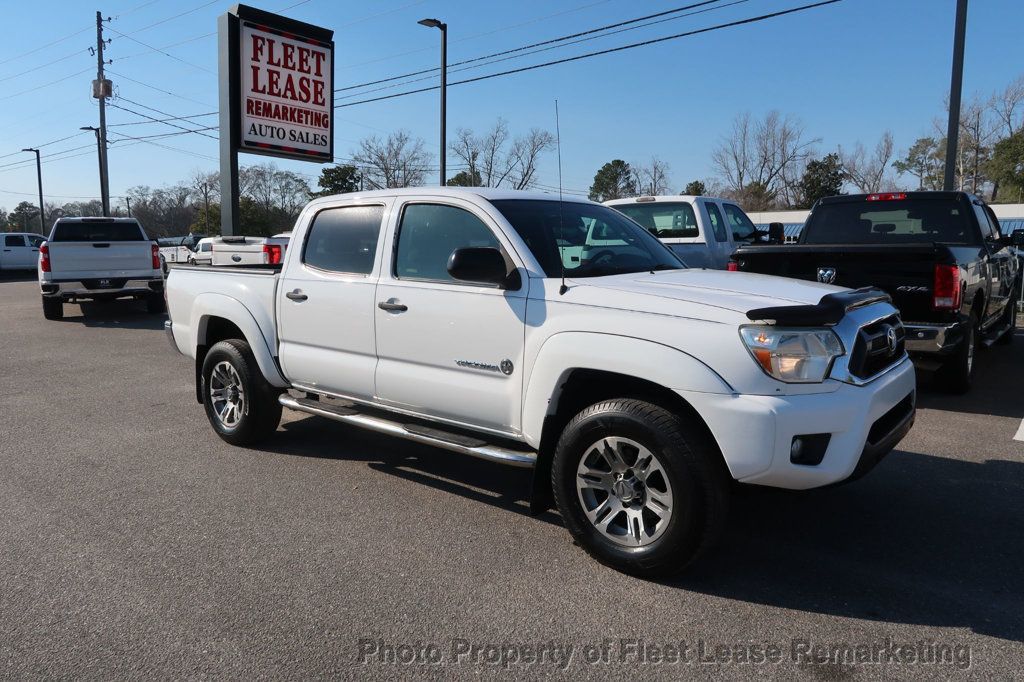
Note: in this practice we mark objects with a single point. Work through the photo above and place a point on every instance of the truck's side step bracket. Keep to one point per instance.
(466, 445)
(995, 334)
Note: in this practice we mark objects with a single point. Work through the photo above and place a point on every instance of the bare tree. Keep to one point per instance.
(467, 149)
(1008, 106)
(206, 189)
(652, 179)
(397, 161)
(769, 154)
(866, 171)
(524, 154)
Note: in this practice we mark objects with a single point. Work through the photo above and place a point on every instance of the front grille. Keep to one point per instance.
(879, 345)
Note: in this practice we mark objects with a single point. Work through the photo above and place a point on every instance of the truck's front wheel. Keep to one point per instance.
(241, 406)
(640, 488)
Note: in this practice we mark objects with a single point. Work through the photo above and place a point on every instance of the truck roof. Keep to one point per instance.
(661, 198)
(895, 195)
(471, 193)
(94, 219)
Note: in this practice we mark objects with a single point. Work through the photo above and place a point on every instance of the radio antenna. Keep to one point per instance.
(561, 231)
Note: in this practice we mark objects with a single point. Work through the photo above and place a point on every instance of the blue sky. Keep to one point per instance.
(848, 71)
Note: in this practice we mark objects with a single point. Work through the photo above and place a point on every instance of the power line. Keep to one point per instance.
(163, 120)
(44, 85)
(172, 18)
(550, 47)
(46, 144)
(43, 47)
(157, 49)
(164, 146)
(587, 55)
(533, 45)
(151, 87)
(43, 66)
(156, 120)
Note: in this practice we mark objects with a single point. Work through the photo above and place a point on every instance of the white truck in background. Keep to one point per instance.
(703, 231)
(250, 250)
(20, 250)
(99, 259)
(555, 335)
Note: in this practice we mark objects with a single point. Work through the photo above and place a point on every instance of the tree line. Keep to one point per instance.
(772, 163)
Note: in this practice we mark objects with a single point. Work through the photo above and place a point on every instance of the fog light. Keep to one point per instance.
(809, 449)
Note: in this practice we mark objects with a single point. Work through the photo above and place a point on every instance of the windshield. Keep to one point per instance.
(97, 231)
(663, 219)
(587, 241)
(908, 221)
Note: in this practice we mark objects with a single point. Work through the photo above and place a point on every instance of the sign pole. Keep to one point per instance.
(228, 63)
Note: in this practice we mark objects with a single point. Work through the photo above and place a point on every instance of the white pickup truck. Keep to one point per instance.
(20, 250)
(99, 259)
(473, 320)
(241, 250)
(703, 231)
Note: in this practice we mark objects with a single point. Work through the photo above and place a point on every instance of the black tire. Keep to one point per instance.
(1011, 317)
(259, 412)
(956, 374)
(53, 308)
(155, 304)
(692, 466)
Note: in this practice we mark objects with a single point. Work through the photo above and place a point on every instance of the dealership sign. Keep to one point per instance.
(286, 92)
(280, 89)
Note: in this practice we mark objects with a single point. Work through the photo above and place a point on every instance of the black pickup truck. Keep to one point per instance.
(939, 255)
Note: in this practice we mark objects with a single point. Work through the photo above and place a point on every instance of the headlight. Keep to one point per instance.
(796, 356)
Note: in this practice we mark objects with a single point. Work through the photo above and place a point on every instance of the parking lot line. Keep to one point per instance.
(1020, 431)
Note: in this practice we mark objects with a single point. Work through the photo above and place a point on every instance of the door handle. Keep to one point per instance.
(7, 250)
(392, 306)
(297, 295)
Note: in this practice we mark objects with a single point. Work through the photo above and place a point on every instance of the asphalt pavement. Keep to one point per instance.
(136, 544)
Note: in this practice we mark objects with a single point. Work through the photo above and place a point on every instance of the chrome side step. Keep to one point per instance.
(466, 445)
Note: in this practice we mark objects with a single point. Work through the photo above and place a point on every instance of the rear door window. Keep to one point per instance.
(14, 240)
(344, 239)
(97, 231)
(717, 223)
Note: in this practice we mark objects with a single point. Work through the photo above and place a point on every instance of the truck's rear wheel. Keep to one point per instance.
(241, 406)
(956, 374)
(53, 308)
(640, 488)
(155, 304)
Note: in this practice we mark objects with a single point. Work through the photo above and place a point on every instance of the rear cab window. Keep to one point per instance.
(664, 219)
(98, 231)
(344, 239)
(914, 220)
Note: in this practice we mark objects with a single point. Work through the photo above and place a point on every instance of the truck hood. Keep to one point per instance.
(737, 292)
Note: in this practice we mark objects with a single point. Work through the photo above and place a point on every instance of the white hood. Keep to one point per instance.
(733, 291)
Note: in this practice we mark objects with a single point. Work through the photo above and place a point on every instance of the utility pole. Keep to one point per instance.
(128, 200)
(955, 88)
(100, 91)
(39, 177)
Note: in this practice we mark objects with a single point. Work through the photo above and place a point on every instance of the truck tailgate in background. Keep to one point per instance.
(71, 260)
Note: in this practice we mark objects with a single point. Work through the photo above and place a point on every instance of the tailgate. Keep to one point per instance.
(905, 272)
(87, 260)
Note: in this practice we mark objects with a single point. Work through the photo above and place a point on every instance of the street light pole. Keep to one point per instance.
(435, 23)
(955, 88)
(99, 156)
(39, 177)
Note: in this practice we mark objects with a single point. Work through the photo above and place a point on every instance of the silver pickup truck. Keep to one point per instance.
(703, 231)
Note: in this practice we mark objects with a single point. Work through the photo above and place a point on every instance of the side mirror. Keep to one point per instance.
(776, 233)
(1017, 238)
(480, 265)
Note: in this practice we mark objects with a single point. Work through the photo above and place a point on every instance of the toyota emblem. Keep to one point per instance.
(890, 338)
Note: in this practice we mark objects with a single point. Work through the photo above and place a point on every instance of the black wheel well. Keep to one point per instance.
(217, 329)
(581, 388)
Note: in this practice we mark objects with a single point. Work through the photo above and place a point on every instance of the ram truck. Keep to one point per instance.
(93, 259)
(702, 231)
(485, 322)
(939, 255)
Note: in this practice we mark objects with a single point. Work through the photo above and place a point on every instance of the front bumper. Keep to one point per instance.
(941, 339)
(755, 432)
(75, 290)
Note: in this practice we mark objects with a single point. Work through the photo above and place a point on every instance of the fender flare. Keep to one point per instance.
(648, 360)
(211, 305)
